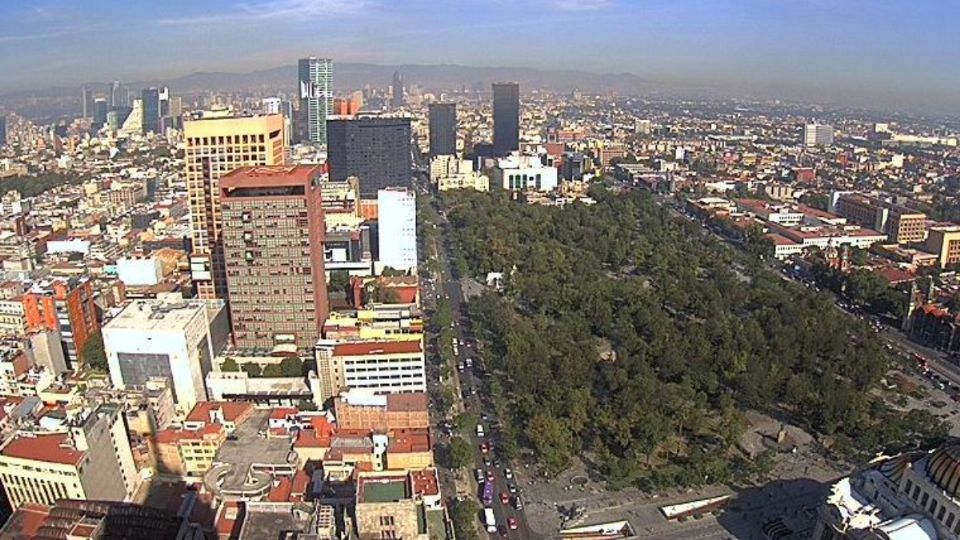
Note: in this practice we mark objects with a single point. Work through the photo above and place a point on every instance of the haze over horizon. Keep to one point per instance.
(896, 54)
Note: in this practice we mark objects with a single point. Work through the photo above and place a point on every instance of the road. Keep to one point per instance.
(475, 396)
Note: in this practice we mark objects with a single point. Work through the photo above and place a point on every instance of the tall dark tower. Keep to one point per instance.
(443, 129)
(506, 117)
(374, 149)
(398, 100)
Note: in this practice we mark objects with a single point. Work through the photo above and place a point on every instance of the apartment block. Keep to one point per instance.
(65, 305)
(944, 242)
(364, 409)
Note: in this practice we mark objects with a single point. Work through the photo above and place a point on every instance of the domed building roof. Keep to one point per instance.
(943, 468)
(893, 468)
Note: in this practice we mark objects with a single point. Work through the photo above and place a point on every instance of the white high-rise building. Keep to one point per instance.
(154, 338)
(316, 96)
(397, 230)
(817, 135)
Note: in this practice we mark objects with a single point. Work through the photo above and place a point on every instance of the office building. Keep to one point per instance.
(817, 135)
(382, 367)
(375, 149)
(520, 173)
(151, 109)
(84, 102)
(67, 306)
(398, 100)
(174, 342)
(215, 145)
(3, 131)
(397, 230)
(944, 242)
(100, 109)
(443, 129)
(316, 96)
(506, 118)
(901, 224)
(273, 233)
(116, 99)
(88, 458)
(449, 172)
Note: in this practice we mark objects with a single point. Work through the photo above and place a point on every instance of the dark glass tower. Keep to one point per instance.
(506, 117)
(443, 129)
(398, 100)
(374, 149)
(150, 98)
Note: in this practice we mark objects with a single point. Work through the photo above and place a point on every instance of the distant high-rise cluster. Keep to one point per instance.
(506, 117)
(315, 77)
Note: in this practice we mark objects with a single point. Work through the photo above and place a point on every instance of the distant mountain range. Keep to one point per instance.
(350, 76)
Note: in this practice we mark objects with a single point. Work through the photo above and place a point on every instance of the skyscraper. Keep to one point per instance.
(375, 149)
(316, 96)
(216, 145)
(273, 231)
(506, 117)
(397, 230)
(84, 102)
(397, 89)
(99, 112)
(3, 131)
(115, 95)
(150, 101)
(443, 129)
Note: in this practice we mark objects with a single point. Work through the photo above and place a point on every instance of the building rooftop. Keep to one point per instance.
(268, 520)
(367, 348)
(281, 175)
(155, 315)
(54, 448)
(382, 490)
(231, 411)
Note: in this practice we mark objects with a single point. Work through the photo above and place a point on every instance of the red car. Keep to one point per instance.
(513, 524)
(484, 448)
(489, 475)
(504, 497)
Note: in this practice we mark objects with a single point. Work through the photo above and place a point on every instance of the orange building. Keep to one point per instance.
(66, 305)
(363, 410)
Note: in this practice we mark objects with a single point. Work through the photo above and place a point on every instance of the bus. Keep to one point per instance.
(487, 494)
(490, 520)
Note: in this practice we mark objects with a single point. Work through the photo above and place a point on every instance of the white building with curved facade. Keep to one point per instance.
(913, 496)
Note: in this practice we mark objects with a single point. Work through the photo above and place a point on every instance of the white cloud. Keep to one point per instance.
(276, 9)
(581, 5)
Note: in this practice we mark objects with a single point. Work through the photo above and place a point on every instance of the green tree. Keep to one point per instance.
(272, 370)
(339, 281)
(461, 453)
(466, 422)
(229, 364)
(94, 355)
(465, 514)
(252, 369)
(291, 367)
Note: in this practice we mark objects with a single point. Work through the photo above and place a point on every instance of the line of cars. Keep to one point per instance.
(486, 480)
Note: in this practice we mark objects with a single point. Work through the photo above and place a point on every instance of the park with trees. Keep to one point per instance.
(628, 338)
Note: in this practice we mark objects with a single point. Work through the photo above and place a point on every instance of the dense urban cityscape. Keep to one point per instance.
(282, 307)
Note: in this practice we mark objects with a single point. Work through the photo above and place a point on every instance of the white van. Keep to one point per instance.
(480, 430)
(490, 520)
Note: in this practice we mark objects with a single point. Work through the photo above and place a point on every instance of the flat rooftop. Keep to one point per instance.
(383, 490)
(269, 520)
(245, 449)
(151, 314)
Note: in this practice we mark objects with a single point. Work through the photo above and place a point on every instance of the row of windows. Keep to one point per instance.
(923, 498)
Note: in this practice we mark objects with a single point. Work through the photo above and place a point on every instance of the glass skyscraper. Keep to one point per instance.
(316, 96)
(506, 117)
(443, 129)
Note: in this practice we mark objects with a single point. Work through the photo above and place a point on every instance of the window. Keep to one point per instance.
(923, 501)
(950, 519)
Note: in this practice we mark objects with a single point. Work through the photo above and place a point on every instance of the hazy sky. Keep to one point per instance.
(887, 50)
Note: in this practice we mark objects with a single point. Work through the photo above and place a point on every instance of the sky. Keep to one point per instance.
(876, 51)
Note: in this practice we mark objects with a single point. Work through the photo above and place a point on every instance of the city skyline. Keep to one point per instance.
(890, 55)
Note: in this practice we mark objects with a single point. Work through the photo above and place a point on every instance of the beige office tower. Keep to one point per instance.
(218, 143)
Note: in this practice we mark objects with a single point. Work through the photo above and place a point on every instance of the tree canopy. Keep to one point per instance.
(627, 334)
